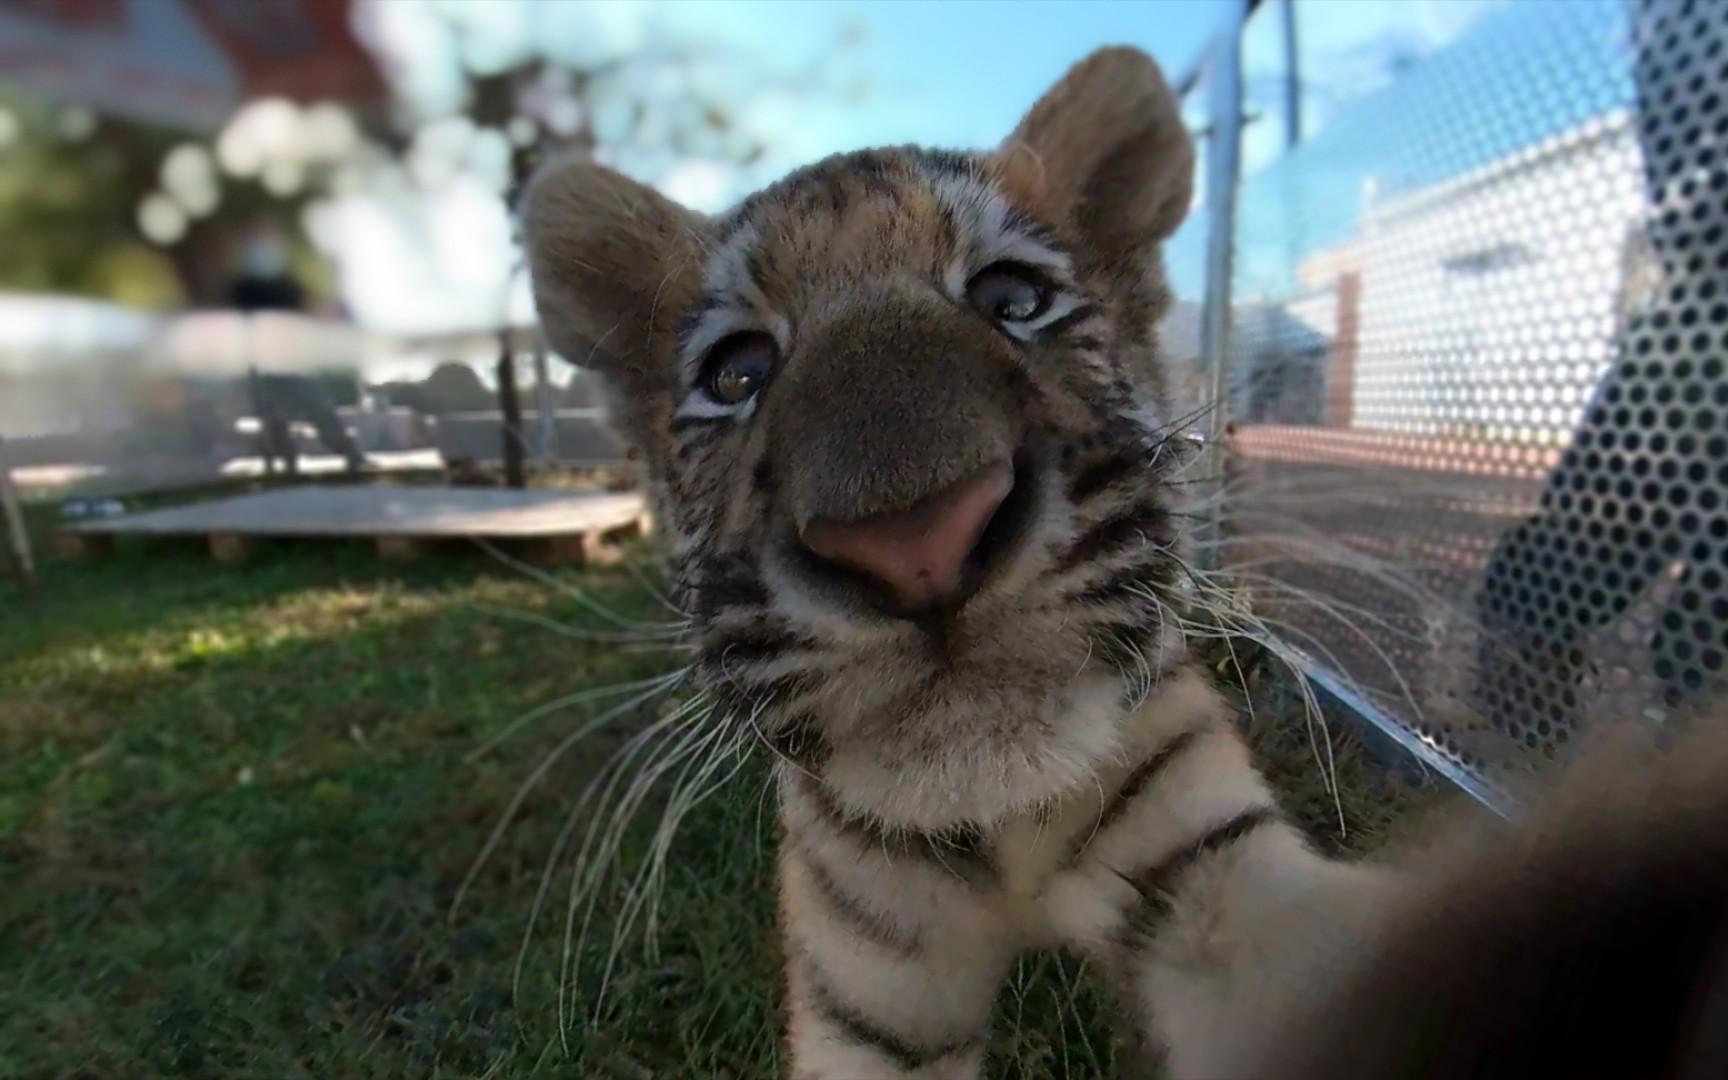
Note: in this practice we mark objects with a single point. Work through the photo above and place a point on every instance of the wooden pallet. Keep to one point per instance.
(202, 476)
(548, 526)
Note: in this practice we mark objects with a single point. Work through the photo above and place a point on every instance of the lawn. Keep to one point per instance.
(237, 806)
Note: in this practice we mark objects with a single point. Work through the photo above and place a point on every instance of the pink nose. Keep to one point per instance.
(919, 553)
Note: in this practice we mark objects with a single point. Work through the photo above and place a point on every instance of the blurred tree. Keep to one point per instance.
(652, 112)
(81, 194)
(152, 217)
(646, 113)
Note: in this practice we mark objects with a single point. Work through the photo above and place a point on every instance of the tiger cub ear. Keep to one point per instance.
(1105, 150)
(615, 265)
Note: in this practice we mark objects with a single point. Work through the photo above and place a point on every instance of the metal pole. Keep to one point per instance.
(1292, 78)
(546, 407)
(510, 406)
(1292, 133)
(14, 515)
(255, 390)
(1223, 168)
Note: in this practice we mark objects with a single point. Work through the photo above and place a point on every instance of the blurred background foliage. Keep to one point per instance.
(157, 216)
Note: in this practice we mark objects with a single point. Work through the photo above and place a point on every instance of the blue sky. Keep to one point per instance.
(1540, 68)
(954, 73)
(959, 72)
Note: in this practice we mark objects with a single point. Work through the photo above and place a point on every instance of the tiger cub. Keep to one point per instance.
(904, 419)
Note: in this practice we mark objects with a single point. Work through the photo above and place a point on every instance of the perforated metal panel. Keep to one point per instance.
(1479, 459)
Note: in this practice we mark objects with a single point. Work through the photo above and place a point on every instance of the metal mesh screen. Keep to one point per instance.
(1479, 449)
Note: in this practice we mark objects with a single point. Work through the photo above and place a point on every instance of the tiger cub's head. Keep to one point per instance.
(903, 415)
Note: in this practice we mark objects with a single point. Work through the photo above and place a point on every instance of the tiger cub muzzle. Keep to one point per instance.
(904, 493)
(930, 558)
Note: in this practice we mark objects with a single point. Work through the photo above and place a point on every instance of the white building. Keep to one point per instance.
(1486, 307)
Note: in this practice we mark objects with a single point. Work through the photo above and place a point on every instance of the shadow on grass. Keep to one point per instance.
(236, 804)
(235, 807)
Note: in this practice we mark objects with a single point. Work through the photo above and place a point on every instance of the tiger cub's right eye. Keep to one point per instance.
(738, 367)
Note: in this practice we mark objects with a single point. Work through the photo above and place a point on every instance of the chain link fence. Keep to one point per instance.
(1470, 374)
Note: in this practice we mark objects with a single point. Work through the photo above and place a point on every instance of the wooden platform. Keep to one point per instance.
(564, 527)
(138, 480)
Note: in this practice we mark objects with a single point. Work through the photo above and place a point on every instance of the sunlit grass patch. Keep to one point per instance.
(236, 806)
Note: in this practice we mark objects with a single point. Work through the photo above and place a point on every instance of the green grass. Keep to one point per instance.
(236, 806)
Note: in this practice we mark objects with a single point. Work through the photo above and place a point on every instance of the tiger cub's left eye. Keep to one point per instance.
(1008, 292)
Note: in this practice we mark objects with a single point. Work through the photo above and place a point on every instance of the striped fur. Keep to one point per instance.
(1043, 767)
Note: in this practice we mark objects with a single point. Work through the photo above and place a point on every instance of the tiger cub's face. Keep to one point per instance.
(903, 415)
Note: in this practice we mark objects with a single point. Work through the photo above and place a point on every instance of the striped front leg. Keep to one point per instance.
(1190, 890)
(895, 950)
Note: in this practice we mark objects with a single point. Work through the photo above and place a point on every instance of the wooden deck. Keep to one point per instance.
(557, 526)
(174, 477)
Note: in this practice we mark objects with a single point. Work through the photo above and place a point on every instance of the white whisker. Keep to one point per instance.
(539, 773)
(601, 637)
(566, 589)
(666, 682)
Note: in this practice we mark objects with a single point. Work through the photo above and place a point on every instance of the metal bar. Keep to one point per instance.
(1292, 78)
(14, 515)
(1223, 168)
(1490, 796)
(1185, 84)
(255, 391)
(546, 435)
(510, 405)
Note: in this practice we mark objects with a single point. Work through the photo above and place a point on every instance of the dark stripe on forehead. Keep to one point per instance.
(947, 164)
(754, 268)
(821, 187)
(877, 172)
(1034, 230)
(963, 175)
(822, 192)
(837, 199)
(733, 223)
(710, 302)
